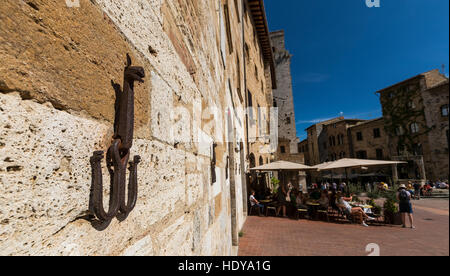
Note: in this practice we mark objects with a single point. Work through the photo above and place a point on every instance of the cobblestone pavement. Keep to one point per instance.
(269, 236)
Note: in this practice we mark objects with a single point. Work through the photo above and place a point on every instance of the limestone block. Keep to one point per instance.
(194, 190)
(182, 128)
(44, 170)
(129, 16)
(162, 111)
(177, 238)
(161, 180)
(143, 247)
(45, 175)
(66, 56)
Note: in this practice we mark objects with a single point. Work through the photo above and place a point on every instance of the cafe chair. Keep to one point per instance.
(271, 208)
(301, 212)
(253, 209)
(324, 214)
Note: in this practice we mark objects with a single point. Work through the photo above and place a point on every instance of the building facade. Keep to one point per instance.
(190, 125)
(328, 141)
(368, 140)
(416, 121)
(335, 143)
(317, 138)
(259, 65)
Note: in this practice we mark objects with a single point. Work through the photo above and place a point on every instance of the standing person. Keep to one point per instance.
(417, 187)
(405, 205)
(368, 187)
(334, 186)
(281, 197)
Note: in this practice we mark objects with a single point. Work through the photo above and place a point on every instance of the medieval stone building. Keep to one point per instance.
(205, 62)
(368, 140)
(328, 141)
(415, 113)
(283, 101)
(414, 128)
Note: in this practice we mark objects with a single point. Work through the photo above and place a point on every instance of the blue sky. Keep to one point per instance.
(344, 51)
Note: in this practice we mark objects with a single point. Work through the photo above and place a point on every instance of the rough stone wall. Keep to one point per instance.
(313, 137)
(317, 136)
(283, 95)
(258, 84)
(396, 113)
(57, 108)
(421, 99)
(370, 144)
(304, 149)
(434, 99)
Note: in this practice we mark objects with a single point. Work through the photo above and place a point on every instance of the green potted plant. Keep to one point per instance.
(376, 209)
(391, 214)
(276, 184)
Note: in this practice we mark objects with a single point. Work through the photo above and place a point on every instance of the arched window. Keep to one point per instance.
(414, 127)
(261, 161)
(252, 160)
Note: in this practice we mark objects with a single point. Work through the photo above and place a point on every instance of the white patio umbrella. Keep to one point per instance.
(283, 166)
(354, 163)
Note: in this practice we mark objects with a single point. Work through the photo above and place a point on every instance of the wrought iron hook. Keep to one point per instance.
(118, 154)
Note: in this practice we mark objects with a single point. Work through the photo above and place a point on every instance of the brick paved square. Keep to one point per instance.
(269, 236)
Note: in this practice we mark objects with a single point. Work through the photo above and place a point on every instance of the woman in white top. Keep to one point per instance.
(343, 203)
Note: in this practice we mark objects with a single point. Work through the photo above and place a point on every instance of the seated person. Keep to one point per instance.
(254, 201)
(300, 201)
(343, 203)
(315, 195)
(428, 189)
(324, 200)
(332, 201)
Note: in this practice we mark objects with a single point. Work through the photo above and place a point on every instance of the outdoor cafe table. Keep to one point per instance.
(266, 201)
(366, 208)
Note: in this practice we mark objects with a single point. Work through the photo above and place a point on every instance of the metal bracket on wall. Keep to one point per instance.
(118, 154)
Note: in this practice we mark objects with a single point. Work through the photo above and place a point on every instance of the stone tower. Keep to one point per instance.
(283, 96)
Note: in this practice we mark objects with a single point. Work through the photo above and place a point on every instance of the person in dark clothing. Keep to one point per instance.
(281, 198)
(315, 195)
(417, 190)
(405, 205)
